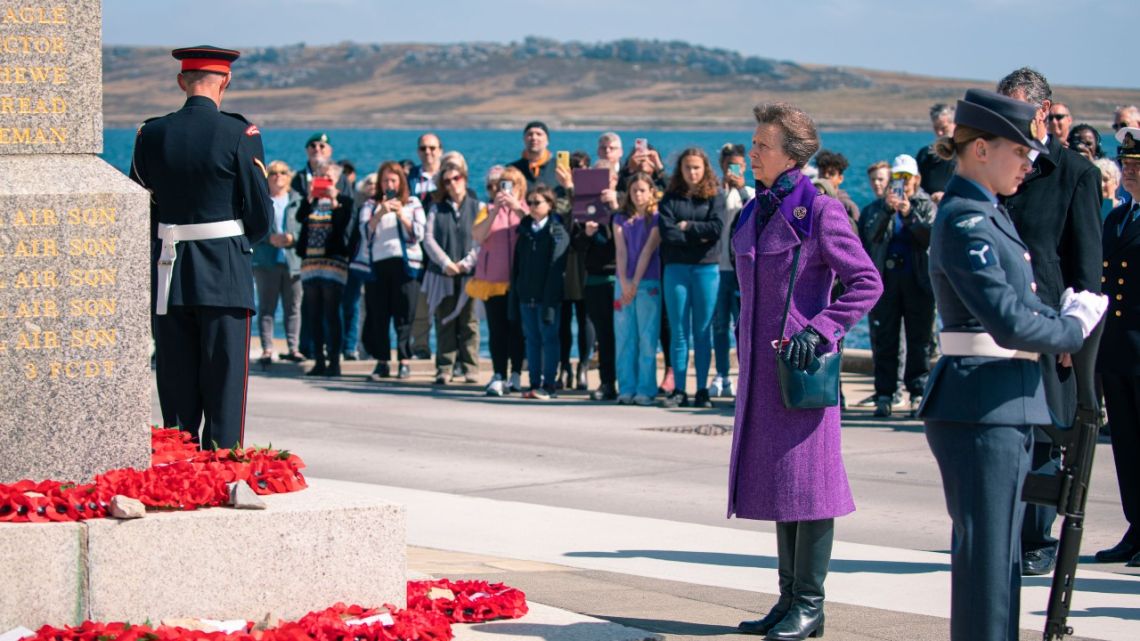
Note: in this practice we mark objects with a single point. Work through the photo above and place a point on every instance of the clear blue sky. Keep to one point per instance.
(1074, 42)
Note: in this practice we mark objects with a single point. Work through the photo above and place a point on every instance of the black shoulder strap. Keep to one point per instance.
(791, 285)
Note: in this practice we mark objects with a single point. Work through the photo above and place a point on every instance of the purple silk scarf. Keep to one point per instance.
(792, 195)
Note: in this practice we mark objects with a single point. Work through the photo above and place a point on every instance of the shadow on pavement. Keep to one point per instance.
(685, 628)
(1103, 586)
(767, 562)
(586, 630)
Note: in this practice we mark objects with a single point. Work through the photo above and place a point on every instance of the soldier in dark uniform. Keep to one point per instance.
(210, 203)
(1056, 211)
(1119, 366)
(985, 393)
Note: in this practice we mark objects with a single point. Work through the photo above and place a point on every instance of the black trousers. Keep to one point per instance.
(320, 311)
(1122, 401)
(903, 299)
(389, 298)
(600, 309)
(576, 308)
(506, 336)
(202, 359)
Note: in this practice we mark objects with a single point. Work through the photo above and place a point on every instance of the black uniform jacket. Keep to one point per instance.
(980, 272)
(202, 165)
(1120, 344)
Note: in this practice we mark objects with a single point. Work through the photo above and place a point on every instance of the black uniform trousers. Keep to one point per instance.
(389, 298)
(506, 336)
(903, 299)
(202, 368)
(983, 470)
(1122, 400)
(600, 309)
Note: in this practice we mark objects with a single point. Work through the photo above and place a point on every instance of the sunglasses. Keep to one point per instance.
(429, 147)
(453, 179)
(535, 202)
(1116, 126)
(901, 175)
(278, 173)
(1057, 117)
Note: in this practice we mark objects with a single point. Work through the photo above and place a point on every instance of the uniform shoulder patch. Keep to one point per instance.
(252, 130)
(969, 222)
(980, 255)
(143, 124)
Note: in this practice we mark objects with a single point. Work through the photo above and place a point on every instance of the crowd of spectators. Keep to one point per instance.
(644, 268)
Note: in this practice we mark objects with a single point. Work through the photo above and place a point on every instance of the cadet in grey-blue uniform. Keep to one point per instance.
(986, 392)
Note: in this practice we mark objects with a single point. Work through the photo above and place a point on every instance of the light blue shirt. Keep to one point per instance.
(279, 205)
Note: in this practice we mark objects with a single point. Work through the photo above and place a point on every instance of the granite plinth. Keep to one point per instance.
(75, 374)
(332, 542)
(51, 78)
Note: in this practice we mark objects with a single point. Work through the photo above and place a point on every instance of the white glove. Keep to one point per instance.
(1087, 308)
(1067, 297)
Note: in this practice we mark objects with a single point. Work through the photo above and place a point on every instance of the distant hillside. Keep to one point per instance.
(622, 84)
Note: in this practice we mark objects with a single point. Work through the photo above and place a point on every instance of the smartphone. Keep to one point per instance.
(898, 187)
(736, 170)
(564, 159)
(640, 145)
(390, 194)
(321, 187)
(508, 185)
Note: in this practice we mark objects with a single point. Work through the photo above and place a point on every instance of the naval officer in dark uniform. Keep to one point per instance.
(210, 203)
(1119, 365)
(985, 393)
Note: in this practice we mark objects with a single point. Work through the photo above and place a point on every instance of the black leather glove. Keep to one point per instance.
(800, 350)
(548, 315)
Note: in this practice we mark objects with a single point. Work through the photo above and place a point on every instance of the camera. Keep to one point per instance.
(507, 186)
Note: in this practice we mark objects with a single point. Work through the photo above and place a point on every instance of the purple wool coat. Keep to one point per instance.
(786, 464)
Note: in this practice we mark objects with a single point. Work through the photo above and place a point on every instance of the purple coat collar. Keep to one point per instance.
(796, 208)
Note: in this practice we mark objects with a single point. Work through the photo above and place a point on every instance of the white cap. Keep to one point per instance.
(1124, 131)
(904, 164)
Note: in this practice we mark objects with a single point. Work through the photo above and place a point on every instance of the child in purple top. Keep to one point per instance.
(637, 299)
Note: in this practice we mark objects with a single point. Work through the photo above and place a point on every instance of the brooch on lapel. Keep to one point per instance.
(800, 213)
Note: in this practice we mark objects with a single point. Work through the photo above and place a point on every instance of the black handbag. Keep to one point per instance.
(817, 386)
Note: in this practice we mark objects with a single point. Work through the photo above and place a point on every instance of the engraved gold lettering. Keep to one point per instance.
(102, 277)
(35, 218)
(91, 217)
(44, 75)
(84, 369)
(93, 338)
(35, 15)
(30, 372)
(28, 135)
(29, 106)
(32, 309)
(92, 246)
(33, 44)
(36, 248)
(35, 339)
(92, 306)
(35, 279)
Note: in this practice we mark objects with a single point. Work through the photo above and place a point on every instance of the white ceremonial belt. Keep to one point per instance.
(171, 235)
(978, 344)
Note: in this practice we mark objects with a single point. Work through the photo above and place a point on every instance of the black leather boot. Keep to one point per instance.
(813, 554)
(786, 563)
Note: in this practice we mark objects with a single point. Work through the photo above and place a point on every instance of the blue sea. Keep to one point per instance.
(367, 148)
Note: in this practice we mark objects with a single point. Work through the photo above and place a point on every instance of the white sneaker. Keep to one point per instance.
(495, 387)
(644, 401)
(515, 384)
(716, 386)
(728, 391)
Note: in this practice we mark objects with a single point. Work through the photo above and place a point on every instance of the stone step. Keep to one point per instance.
(331, 542)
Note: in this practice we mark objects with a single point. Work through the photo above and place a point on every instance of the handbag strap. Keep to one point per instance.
(788, 301)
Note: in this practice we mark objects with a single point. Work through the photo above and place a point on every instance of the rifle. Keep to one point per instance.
(1067, 490)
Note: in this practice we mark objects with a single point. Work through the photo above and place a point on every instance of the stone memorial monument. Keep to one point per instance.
(75, 381)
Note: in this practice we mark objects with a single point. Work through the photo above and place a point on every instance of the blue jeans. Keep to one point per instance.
(690, 296)
(350, 310)
(637, 327)
(542, 344)
(725, 317)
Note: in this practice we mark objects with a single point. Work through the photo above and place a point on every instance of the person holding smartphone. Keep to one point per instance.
(896, 234)
(387, 237)
(726, 313)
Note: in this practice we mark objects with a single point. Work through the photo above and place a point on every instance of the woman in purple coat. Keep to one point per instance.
(786, 464)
